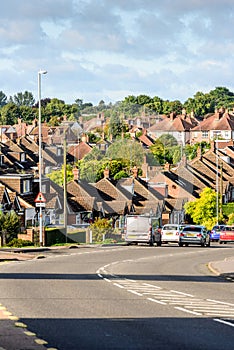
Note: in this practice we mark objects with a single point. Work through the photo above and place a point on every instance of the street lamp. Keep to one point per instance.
(40, 151)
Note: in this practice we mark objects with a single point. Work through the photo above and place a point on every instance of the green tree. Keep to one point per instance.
(3, 99)
(172, 106)
(203, 210)
(159, 152)
(10, 225)
(57, 176)
(10, 114)
(130, 151)
(168, 140)
(23, 99)
(116, 126)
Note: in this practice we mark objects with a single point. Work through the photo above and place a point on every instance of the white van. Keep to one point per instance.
(142, 229)
(171, 233)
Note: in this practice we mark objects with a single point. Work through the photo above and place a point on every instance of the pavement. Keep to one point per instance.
(14, 334)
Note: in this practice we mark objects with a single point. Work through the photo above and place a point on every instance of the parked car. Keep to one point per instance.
(170, 233)
(215, 232)
(226, 234)
(194, 234)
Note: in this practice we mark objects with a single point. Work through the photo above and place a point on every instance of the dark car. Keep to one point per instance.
(194, 234)
(215, 232)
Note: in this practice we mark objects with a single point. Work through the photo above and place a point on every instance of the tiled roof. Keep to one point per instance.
(217, 121)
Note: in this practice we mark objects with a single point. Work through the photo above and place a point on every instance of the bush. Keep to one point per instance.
(100, 228)
(19, 243)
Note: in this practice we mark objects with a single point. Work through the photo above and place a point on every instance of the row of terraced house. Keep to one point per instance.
(159, 192)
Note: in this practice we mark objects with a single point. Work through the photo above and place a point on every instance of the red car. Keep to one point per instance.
(226, 234)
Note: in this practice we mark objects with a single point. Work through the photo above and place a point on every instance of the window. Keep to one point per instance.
(26, 186)
(205, 134)
(22, 157)
(1, 159)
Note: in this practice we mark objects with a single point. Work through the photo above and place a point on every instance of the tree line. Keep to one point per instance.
(23, 105)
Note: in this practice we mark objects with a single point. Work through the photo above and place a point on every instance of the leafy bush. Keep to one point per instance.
(100, 228)
(19, 243)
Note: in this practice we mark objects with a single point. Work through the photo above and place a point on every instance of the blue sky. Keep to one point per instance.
(109, 49)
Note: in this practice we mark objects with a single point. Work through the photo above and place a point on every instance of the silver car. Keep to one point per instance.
(194, 234)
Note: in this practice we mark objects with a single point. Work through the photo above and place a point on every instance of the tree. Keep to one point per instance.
(3, 99)
(10, 225)
(129, 151)
(168, 140)
(115, 126)
(158, 150)
(23, 99)
(172, 106)
(10, 113)
(203, 210)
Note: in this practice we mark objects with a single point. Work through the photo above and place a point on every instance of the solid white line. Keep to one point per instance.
(99, 275)
(188, 311)
(224, 322)
(156, 301)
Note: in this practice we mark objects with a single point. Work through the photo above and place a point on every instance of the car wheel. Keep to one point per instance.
(220, 242)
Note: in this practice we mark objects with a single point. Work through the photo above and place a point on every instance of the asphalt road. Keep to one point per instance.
(135, 297)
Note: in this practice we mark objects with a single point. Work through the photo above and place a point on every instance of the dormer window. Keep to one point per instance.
(22, 157)
(26, 186)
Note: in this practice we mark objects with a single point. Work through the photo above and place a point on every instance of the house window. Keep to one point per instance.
(205, 134)
(59, 151)
(226, 135)
(26, 186)
(1, 159)
(22, 157)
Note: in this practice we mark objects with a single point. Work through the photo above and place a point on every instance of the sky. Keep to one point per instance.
(109, 49)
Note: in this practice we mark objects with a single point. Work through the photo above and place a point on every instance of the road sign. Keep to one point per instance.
(40, 198)
(40, 204)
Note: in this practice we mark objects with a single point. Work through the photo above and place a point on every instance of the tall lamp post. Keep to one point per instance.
(40, 153)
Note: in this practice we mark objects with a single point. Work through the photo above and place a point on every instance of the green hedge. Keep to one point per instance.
(57, 236)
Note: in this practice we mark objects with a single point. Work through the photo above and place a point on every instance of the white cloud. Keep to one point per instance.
(107, 49)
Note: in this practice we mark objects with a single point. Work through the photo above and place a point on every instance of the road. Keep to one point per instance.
(123, 297)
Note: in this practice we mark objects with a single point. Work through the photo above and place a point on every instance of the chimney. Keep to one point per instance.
(134, 172)
(199, 152)
(75, 172)
(106, 173)
(167, 167)
(184, 161)
(212, 146)
(218, 114)
(172, 115)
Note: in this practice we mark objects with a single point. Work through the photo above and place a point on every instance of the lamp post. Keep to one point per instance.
(40, 153)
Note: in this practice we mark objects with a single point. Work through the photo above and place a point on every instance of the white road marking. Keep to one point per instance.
(224, 322)
(188, 311)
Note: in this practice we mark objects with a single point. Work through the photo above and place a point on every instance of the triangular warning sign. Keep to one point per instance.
(40, 198)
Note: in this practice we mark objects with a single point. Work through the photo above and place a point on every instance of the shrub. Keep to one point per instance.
(100, 228)
(18, 243)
